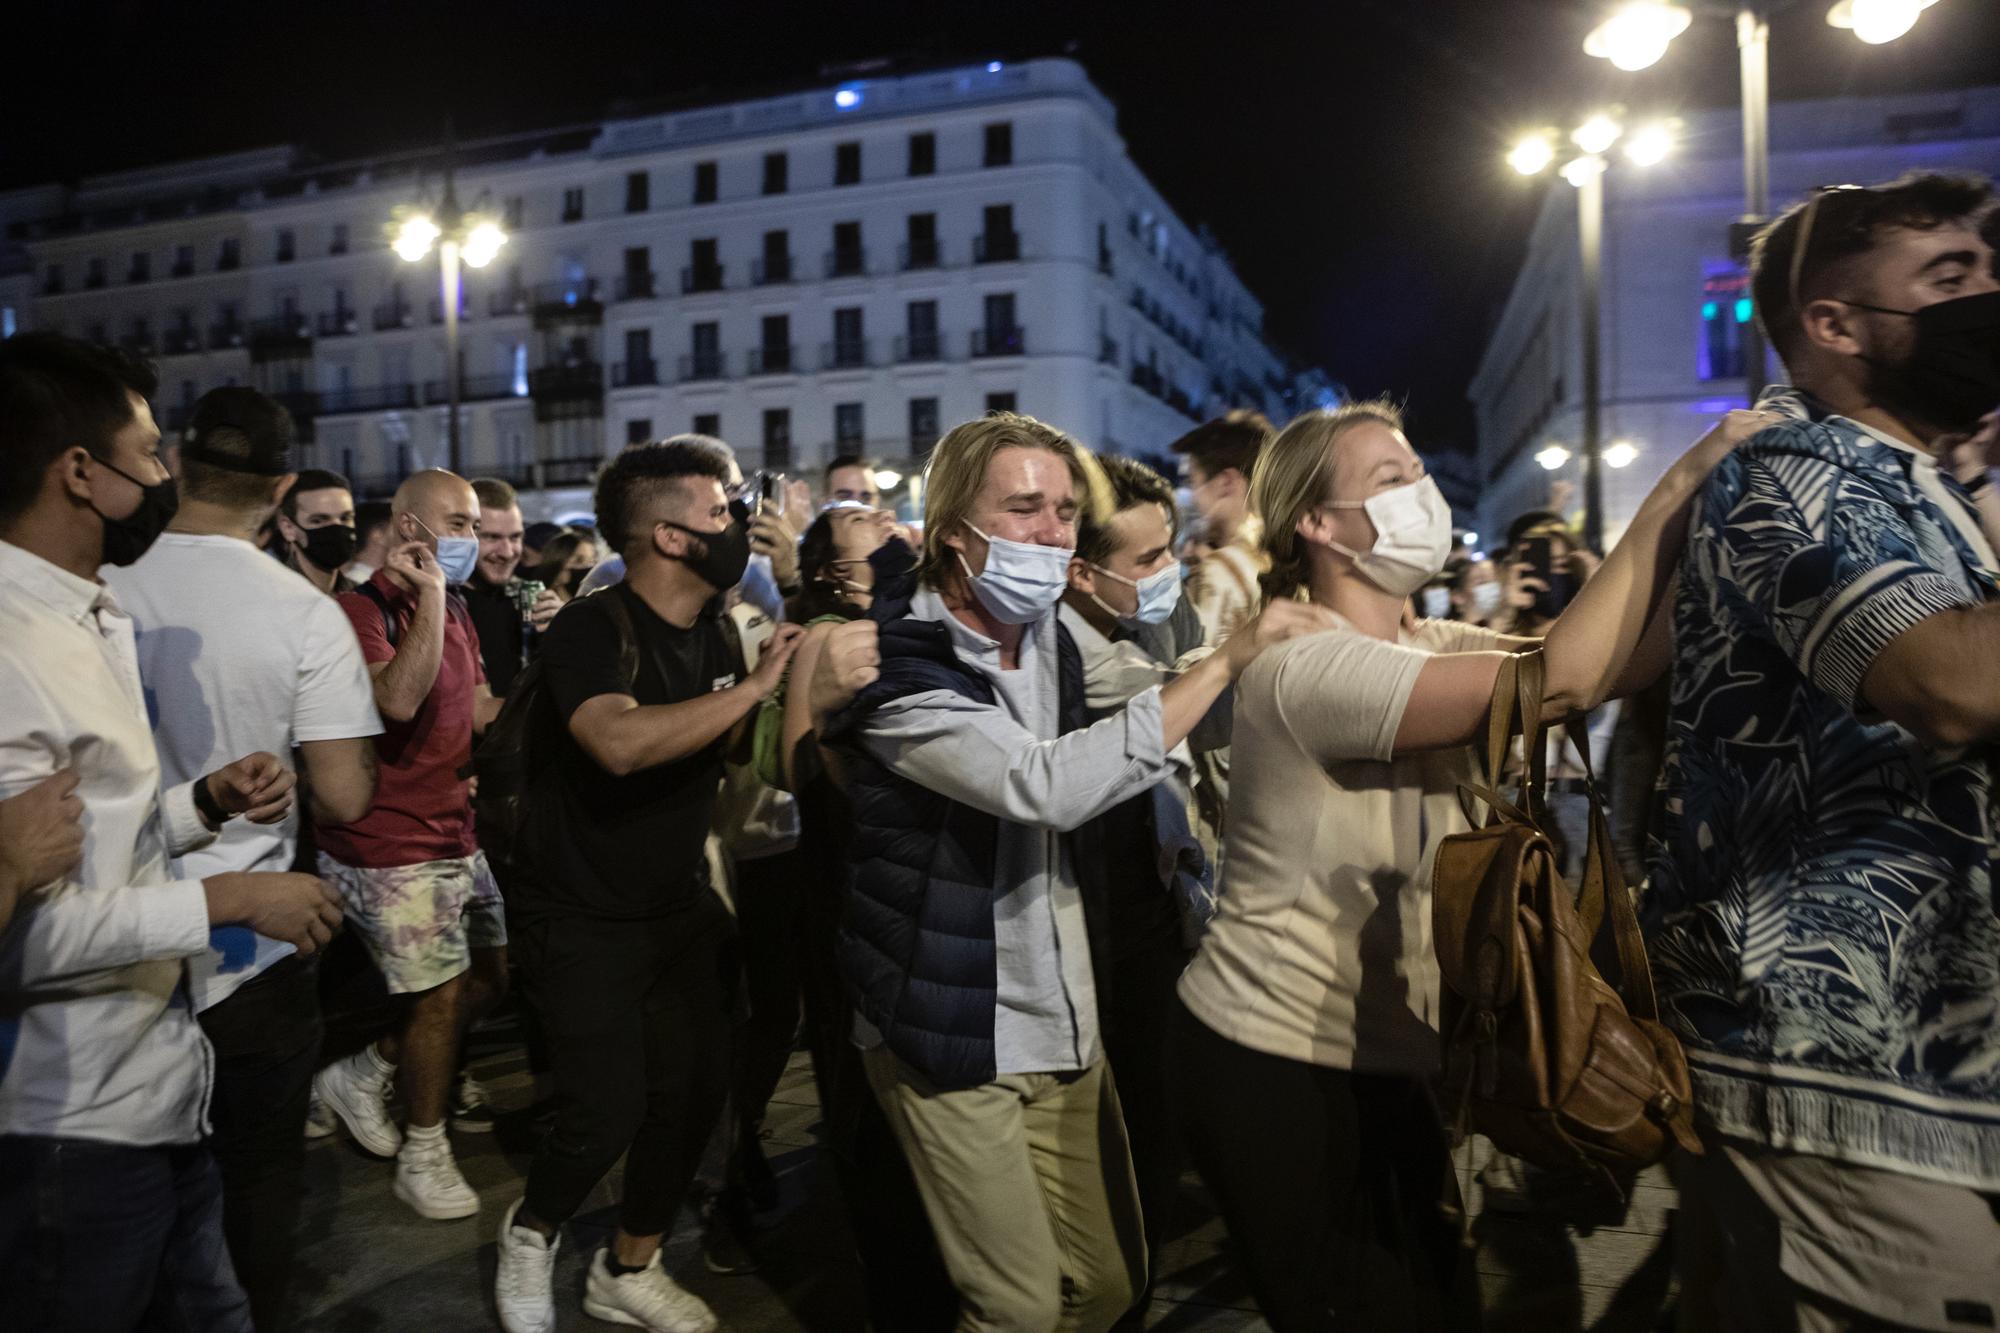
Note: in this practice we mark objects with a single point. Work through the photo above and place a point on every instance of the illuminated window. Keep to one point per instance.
(1726, 308)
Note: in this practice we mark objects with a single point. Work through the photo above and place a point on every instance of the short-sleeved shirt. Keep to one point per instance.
(423, 808)
(1825, 937)
(502, 637)
(1320, 950)
(238, 654)
(630, 847)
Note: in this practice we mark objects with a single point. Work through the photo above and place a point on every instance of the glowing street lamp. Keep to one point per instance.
(1597, 134)
(1531, 156)
(888, 479)
(1620, 453)
(459, 237)
(1552, 457)
(1649, 145)
(1637, 34)
(1877, 21)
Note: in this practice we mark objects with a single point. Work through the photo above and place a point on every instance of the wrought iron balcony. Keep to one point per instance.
(702, 366)
(916, 347)
(844, 354)
(374, 398)
(394, 315)
(998, 342)
(338, 323)
(631, 374)
(769, 269)
(636, 286)
(912, 255)
(701, 278)
(996, 247)
(847, 263)
(776, 359)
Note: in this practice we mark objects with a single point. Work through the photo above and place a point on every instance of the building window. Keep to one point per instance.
(708, 423)
(920, 246)
(288, 245)
(999, 402)
(1726, 308)
(774, 347)
(573, 204)
(141, 269)
(704, 270)
(777, 437)
(638, 192)
(847, 164)
(93, 274)
(923, 154)
(511, 212)
(638, 430)
(847, 259)
(776, 263)
(704, 182)
(850, 347)
(847, 431)
(230, 255)
(52, 280)
(920, 338)
(704, 351)
(923, 426)
(1000, 144)
(775, 173)
(998, 242)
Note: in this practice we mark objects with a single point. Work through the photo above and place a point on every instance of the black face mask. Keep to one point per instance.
(1951, 376)
(128, 538)
(329, 547)
(724, 555)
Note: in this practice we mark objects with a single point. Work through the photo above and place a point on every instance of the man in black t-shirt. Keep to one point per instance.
(624, 949)
(506, 636)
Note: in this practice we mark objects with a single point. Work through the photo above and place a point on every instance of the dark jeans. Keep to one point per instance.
(638, 1017)
(103, 1238)
(769, 891)
(1136, 1006)
(266, 1038)
(1318, 1173)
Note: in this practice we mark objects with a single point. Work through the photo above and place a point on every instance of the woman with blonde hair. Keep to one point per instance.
(1307, 1045)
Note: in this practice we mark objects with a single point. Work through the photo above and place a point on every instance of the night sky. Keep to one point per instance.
(1346, 152)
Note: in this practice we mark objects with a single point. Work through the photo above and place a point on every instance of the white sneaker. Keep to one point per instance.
(428, 1179)
(357, 1090)
(320, 1123)
(646, 1299)
(523, 1287)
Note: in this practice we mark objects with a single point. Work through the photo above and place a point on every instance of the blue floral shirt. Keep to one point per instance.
(1823, 925)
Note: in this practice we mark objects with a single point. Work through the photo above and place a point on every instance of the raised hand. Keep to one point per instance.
(850, 660)
(415, 562)
(257, 786)
(777, 656)
(1277, 622)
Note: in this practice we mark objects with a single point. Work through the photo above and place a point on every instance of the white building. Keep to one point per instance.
(1674, 302)
(849, 268)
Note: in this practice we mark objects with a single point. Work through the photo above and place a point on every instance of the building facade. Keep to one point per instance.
(1674, 303)
(849, 268)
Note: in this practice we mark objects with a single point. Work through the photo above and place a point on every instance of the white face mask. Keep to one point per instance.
(1022, 582)
(1412, 536)
(1486, 599)
(1159, 593)
(1437, 603)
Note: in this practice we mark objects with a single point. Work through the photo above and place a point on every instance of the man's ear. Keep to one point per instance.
(1082, 577)
(280, 486)
(1830, 325)
(73, 467)
(1232, 482)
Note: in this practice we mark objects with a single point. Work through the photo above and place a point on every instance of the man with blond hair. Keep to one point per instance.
(971, 763)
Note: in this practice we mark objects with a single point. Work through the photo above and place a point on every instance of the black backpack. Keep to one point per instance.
(522, 744)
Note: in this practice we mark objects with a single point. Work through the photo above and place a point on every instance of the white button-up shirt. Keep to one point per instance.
(97, 1037)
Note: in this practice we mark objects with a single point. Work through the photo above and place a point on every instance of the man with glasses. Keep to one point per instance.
(1825, 932)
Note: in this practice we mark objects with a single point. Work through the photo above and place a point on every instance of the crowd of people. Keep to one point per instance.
(1081, 827)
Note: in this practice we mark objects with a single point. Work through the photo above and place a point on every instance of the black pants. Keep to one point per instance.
(1136, 1006)
(1318, 1172)
(266, 1038)
(638, 1017)
(769, 893)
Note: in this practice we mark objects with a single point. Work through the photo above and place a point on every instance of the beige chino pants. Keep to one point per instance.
(1028, 1183)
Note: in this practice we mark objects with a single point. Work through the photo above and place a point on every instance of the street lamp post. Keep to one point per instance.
(1637, 34)
(462, 237)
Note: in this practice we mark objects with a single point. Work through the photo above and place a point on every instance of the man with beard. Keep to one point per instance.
(1826, 939)
(504, 632)
(316, 529)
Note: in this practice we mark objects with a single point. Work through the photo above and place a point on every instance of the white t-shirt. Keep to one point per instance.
(237, 654)
(1321, 948)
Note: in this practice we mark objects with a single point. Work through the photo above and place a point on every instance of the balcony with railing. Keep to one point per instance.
(395, 315)
(93, 280)
(372, 398)
(283, 336)
(573, 302)
(844, 354)
(137, 344)
(338, 323)
(847, 262)
(999, 342)
(577, 381)
(511, 301)
(767, 270)
(634, 374)
(1107, 349)
(475, 388)
(634, 285)
(303, 404)
(702, 366)
(701, 278)
(183, 268)
(918, 347)
(437, 308)
(1149, 379)
(52, 285)
(180, 341)
(914, 255)
(772, 359)
(224, 334)
(579, 470)
(996, 247)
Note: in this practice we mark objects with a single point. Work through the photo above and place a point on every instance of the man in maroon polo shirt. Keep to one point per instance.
(417, 888)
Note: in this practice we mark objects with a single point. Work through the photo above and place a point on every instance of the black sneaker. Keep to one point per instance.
(722, 1247)
(750, 1171)
(471, 1112)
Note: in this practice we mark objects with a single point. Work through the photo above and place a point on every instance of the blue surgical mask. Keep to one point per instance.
(456, 556)
(1159, 593)
(1021, 582)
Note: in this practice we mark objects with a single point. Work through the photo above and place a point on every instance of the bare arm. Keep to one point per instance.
(624, 736)
(341, 777)
(485, 707)
(404, 681)
(1936, 677)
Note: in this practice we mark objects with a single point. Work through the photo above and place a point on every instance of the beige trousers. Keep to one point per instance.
(1779, 1242)
(1028, 1183)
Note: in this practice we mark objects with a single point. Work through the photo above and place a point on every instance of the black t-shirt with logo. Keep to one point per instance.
(624, 848)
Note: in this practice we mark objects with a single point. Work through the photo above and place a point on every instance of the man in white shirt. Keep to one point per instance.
(109, 1202)
(238, 654)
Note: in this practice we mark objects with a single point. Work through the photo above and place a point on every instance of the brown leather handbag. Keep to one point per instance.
(1544, 1053)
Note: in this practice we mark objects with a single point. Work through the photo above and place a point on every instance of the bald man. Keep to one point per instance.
(417, 889)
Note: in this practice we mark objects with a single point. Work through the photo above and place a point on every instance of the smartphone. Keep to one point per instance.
(1538, 553)
(767, 490)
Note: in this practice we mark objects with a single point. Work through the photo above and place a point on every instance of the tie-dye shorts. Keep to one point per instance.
(421, 922)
